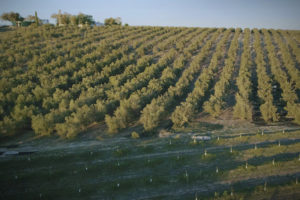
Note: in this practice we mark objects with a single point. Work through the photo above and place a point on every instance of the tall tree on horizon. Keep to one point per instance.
(14, 18)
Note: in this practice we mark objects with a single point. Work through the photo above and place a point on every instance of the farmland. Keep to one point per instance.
(57, 80)
(72, 100)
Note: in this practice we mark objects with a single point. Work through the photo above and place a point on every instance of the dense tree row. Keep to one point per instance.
(288, 62)
(295, 50)
(264, 91)
(243, 107)
(159, 107)
(85, 103)
(130, 108)
(288, 92)
(186, 110)
(95, 111)
(215, 104)
(51, 93)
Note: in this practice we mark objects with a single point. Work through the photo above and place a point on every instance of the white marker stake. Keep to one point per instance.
(265, 187)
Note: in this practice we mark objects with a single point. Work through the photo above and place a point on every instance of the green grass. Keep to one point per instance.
(97, 170)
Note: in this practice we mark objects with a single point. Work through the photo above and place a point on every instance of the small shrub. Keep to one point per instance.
(135, 135)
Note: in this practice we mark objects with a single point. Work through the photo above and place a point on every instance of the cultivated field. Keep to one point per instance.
(59, 80)
(110, 113)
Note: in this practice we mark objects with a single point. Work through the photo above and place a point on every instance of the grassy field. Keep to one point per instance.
(229, 166)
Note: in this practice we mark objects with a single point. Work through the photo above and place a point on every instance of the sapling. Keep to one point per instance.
(186, 176)
(262, 132)
(170, 142)
(240, 135)
(195, 141)
(217, 170)
(196, 196)
(205, 152)
(265, 186)
(255, 146)
(231, 149)
(231, 193)
(273, 161)
(218, 138)
(118, 164)
(246, 165)
(150, 180)
(283, 131)
(296, 180)
(279, 143)
(118, 185)
(79, 190)
(86, 168)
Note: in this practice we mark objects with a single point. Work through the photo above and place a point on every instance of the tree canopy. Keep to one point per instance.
(13, 17)
(112, 21)
(68, 19)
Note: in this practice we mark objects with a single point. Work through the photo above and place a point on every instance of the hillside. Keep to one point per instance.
(63, 80)
(216, 112)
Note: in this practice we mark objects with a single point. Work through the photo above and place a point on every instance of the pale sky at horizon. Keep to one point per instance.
(277, 14)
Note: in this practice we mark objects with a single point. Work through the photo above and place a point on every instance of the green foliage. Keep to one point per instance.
(243, 108)
(36, 19)
(185, 112)
(135, 135)
(267, 108)
(62, 80)
(12, 17)
(113, 21)
(68, 19)
(216, 103)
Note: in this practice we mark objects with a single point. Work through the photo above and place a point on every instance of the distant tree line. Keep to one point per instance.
(17, 20)
(62, 19)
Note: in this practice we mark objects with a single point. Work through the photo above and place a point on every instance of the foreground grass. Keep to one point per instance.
(161, 168)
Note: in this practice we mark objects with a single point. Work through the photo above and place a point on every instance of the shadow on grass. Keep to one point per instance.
(199, 127)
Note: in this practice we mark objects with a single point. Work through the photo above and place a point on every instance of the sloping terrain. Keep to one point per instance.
(63, 80)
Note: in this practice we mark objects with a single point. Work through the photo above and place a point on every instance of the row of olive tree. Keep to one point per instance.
(264, 90)
(288, 90)
(85, 110)
(243, 108)
(57, 72)
(216, 102)
(77, 113)
(159, 107)
(184, 112)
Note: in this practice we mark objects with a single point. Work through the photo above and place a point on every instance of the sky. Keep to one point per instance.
(277, 14)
